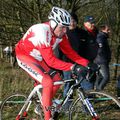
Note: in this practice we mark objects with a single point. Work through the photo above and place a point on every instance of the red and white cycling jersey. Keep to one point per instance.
(40, 43)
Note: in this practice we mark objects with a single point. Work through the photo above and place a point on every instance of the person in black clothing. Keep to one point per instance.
(83, 42)
(103, 57)
(74, 33)
(90, 47)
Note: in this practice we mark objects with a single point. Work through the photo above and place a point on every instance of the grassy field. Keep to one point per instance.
(16, 80)
(13, 80)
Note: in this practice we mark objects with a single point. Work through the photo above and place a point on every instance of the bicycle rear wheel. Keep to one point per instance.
(11, 106)
(106, 106)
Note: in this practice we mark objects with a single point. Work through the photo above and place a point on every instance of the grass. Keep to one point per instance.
(16, 80)
(13, 80)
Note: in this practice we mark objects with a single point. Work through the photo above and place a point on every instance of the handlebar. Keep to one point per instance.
(89, 74)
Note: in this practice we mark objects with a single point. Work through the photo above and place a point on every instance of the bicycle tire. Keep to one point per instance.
(11, 106)
(105, 105)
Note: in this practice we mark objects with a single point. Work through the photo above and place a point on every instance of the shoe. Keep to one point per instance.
(55, 115)
(37, 109)
(51, 119)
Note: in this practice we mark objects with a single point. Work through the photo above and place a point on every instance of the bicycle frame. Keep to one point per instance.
(36, 91)
(28, 101)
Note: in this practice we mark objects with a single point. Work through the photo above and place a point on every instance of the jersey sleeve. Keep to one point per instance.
(52, 60)
(70, 53)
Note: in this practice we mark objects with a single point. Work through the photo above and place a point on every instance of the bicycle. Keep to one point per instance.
(89, 105)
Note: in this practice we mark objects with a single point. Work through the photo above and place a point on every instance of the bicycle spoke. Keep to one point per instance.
(105, 106)
(12, 105)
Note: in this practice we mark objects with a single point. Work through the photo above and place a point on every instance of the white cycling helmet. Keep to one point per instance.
(60, 16)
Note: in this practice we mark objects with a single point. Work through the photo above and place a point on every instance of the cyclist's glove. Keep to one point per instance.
(93, 67)
(79, 70)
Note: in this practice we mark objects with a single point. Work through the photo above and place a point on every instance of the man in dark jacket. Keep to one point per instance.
(84, 43)
(103, 57)
(90, 47)
(74, 34)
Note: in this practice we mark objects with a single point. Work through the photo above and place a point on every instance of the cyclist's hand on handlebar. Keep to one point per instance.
(93, 67)
(79, 70)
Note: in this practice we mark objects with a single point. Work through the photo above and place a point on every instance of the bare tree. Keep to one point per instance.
(16, 16)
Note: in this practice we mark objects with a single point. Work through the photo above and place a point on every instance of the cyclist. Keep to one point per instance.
(35, 54)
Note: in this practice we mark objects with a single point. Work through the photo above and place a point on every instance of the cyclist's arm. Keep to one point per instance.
(52, 60)
(70, 53)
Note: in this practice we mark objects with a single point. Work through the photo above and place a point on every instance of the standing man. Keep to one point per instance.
(103, 57)
(83, 41)
(74, 34)
(90, 47)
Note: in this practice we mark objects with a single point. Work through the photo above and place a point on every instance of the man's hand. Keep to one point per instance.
(79, 70)
(93, 67)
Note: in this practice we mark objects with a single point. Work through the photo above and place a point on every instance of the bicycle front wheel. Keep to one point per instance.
(105, 105)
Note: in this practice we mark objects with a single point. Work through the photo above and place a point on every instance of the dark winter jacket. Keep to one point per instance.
(90, 45)
(75, 37)
(104, 52)
(83, 42)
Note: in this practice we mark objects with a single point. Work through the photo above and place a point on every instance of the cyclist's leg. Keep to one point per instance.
(47, 96)
(33, 68)
(55, 77)
(56, 87)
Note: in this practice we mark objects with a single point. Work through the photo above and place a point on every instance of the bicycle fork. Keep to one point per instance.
(89, 106)
(91, 109)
